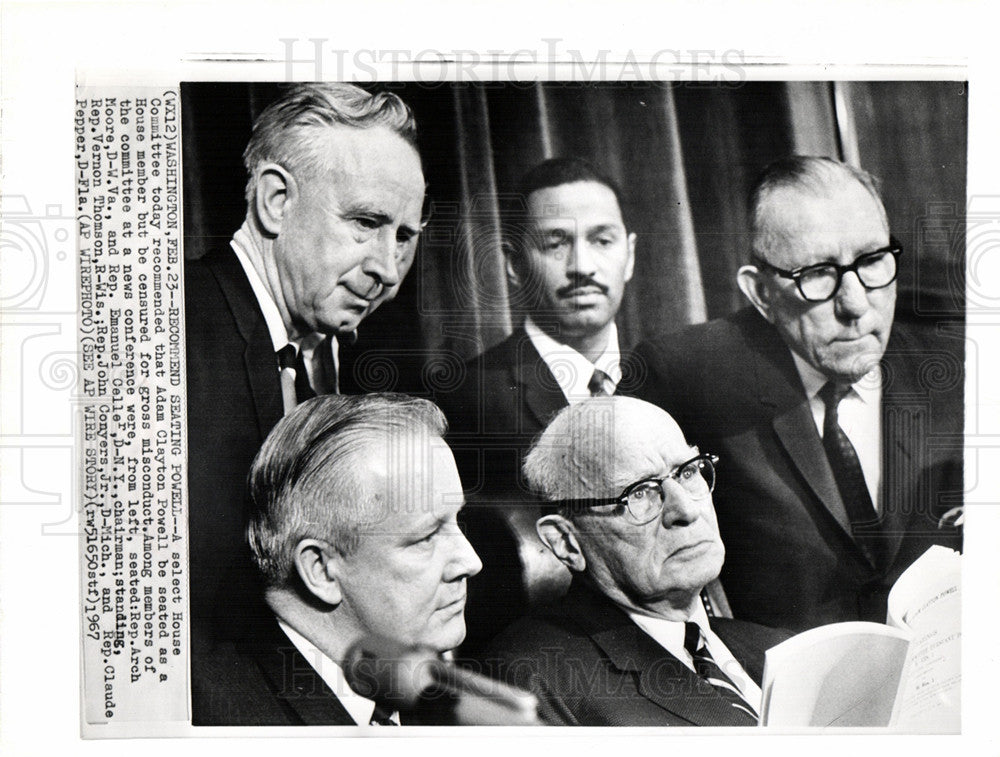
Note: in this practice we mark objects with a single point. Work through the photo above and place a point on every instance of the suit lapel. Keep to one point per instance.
(662, 678)
(903, 410)
(259, 360)
(294, 681)
(779, 387)
(539, 389)
(797, 431)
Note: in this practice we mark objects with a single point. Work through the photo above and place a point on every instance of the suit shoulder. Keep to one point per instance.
(545, 627)
(712, 338)
(749, 630)
(484, 380)
(503, 355)
(227, 688)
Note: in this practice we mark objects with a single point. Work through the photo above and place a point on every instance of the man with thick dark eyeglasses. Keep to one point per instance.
(630, 514)
(841, 431)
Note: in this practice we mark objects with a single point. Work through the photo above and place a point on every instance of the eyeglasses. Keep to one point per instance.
(820, 282)
(643, 501)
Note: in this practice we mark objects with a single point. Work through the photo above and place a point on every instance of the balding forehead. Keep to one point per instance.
(614, 441)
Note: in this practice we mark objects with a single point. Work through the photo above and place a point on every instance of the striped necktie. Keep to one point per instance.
(709, 670)
(381, 716)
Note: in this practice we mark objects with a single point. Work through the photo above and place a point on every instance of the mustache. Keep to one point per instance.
(580, 282)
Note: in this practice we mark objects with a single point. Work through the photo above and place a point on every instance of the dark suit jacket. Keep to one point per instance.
(234, 399)
(260, 678)
(506, 399)
(791, 561)
(590, 664)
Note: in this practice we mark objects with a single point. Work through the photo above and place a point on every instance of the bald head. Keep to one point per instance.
(655, 561)
(597, 445)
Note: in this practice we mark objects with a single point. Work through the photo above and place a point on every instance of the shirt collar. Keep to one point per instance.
(559, 357)
(670, 633)
(272, 316)
(358, 707)
(868, 387)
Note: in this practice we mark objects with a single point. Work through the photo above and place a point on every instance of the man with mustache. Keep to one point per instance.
(840, 434)
(353, 506)
(569, 255)
(568, 258)
(334, 197)
(629, 512)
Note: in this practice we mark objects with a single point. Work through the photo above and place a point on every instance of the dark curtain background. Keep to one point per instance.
(684, 155)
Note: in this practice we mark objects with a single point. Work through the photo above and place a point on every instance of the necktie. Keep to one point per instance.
(291, 358)
(709, 670)
(596, 383)
(326, 378)
(381, 716)
(848, 474)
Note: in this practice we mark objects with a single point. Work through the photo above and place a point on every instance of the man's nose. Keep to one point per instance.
(582, 260)
(851, 300)
(680, 508)
(380, 263)
(464, 561)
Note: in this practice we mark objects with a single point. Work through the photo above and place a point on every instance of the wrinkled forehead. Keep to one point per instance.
(805, 225)
(621, 444)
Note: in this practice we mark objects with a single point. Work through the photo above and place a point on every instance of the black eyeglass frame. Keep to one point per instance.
(894, 248)
(622, 499)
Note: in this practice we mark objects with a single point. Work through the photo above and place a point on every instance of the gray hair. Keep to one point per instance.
(281, 132)
(817, 176)
(306, 481)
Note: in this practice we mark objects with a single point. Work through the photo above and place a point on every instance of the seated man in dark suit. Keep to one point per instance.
(840, 435)
(353, 527)
(334, 201)
(631, 643)
(569, 257)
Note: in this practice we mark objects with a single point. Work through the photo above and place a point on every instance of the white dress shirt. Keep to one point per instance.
(276, 326)
(357, 706)
(859, 414)
(669, 634)
(572, 370)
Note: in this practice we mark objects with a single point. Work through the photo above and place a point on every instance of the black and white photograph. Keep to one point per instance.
(514, 385)
(564, 264)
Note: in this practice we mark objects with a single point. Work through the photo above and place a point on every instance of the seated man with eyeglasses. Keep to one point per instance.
(631, 644)
(841, 431)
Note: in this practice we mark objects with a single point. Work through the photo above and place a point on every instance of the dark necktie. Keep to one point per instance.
(381, 716)
(596, 383)
(849, 476)
(707, 668)
(326, 378)
(289, 357)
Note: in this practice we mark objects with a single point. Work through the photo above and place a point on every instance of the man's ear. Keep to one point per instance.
(751, 283)
(275, 189)
(559, 535)
(318, 565)
(630, 263)
(510, 263)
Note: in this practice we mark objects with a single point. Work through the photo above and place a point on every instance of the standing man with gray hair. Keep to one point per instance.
(632, 518)
(353, 527)
(334, 199)
(841, 430)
